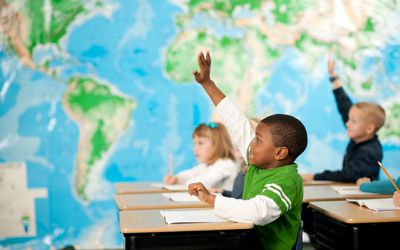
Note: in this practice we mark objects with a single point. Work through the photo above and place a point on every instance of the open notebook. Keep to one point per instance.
(169, 187)
(376, 204)
(349, 190)
(181, 197)
(191, 216)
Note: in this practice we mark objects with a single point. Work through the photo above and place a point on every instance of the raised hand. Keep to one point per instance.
(333, 78)
(205, 67)
(331, 66)
(203, 77)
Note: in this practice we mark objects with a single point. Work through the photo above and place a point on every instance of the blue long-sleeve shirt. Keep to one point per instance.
(238, 185)
(360, 159)
(380, 187)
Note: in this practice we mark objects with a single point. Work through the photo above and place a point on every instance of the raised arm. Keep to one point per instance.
(236, 122)
(333, 77)
(203, 77)
(343, 101)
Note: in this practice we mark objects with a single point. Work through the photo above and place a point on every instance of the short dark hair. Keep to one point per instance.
(287, 131)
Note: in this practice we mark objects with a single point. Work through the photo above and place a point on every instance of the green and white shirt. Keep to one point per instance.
(272, 197)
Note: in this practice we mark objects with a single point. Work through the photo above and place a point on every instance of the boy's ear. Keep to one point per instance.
(281, 153)
(371, 128)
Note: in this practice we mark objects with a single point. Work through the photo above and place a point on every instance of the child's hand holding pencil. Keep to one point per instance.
(171, 179)
(396, 198)
(201, 192)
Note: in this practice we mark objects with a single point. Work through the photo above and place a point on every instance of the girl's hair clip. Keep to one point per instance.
(212, 125)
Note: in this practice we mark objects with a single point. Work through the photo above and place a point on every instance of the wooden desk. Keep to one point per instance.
(146, 229)
(325, 193)
(152, 201)
(140, 188)
(318, 183)
(345, 225)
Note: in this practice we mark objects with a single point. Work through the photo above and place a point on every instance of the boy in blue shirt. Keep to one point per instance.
(273, 189)
(362, 121)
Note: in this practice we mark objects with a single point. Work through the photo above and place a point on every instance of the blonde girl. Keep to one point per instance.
(214, 153)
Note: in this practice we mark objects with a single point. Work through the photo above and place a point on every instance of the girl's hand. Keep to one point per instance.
(396, 198)
(170, 179)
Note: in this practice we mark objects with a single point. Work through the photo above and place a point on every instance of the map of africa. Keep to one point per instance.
(101, 91)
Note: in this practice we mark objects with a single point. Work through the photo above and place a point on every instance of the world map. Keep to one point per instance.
(97, 92)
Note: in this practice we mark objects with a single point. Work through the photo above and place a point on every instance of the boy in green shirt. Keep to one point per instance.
(273, 189)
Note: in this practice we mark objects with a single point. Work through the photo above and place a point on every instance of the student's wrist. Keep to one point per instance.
(211, 199)
(333, 78)
(208, 82)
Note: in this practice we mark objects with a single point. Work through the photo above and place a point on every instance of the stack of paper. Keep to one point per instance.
(169, 187)
(191, 216)
(376, 204)
(181, 197)
(349, 190)
(174, 187)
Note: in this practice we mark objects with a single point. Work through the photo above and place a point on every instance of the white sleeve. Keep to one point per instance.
(259, 210)
(237, 124)
(186, 175)
(215, 175)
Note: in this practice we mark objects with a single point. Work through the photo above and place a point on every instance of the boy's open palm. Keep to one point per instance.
(205, 66)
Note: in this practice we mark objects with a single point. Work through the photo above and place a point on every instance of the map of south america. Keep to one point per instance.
(102, 117)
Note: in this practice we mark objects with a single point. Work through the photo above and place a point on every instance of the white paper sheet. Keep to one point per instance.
(191, 216)
(181, 197)
(376, 204)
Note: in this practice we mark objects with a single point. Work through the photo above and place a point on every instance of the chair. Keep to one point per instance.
(298, 245)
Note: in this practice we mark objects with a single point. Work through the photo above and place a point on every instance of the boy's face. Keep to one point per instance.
(203, 149)
(262, 150)
(358, 128)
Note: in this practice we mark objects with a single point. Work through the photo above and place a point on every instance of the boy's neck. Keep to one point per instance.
(364, 138)
(277, 164)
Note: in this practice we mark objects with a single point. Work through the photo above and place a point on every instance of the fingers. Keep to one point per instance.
(195, 188)
(204, 60)
(208, 58)
(200, 58)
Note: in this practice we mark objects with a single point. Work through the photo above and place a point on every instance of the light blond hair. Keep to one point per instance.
(372, 113)
(223, 147)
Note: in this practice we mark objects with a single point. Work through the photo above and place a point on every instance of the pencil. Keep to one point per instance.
(171, 166)
(390, 178)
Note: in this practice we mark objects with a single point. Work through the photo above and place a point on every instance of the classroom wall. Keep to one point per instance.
(98, 92)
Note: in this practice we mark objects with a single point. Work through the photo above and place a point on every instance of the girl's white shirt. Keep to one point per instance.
(220, 174)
